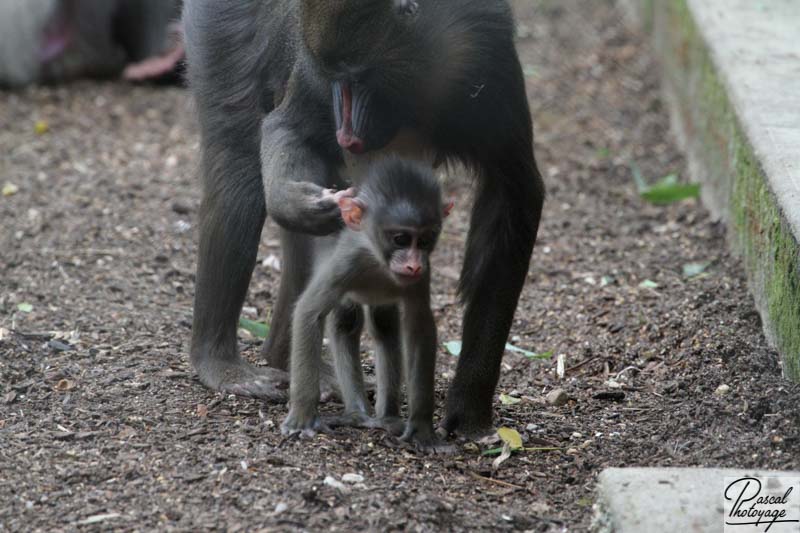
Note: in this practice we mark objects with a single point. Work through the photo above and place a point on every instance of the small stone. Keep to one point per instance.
(280, 508)
(334, 483)
(722, 390)
(65, 385)
(181, 226)
(471, 447)
(353, 478)
(572, 451)
(59, 346)
(272, 262)
(576, 435)
(557, 397)
(181, 208)
(538, 508)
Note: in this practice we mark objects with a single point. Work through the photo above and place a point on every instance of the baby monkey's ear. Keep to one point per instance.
(447, 208)
(352, 211)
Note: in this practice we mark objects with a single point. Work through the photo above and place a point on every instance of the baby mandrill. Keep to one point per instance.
(381, 261)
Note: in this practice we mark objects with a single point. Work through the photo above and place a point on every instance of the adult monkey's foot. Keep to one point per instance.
(424, 439)
(468, 416)
(237, 376)
(304, 422)
(243, 379)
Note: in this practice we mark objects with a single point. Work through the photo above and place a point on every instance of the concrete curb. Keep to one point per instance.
(656, 500)
(731, 72)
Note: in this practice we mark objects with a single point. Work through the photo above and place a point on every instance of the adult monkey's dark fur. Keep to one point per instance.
(444, 73)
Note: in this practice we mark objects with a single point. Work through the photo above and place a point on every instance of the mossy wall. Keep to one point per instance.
(734, 185)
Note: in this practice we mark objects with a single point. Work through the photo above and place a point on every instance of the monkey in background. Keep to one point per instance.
(47, 41)
(380, 260)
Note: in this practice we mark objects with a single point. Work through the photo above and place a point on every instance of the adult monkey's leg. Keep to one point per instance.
(231, 218)
(223, 68)
(505, 220)
(295, 178)
(496, 130)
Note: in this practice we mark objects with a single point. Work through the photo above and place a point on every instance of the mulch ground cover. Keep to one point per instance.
(104, 426)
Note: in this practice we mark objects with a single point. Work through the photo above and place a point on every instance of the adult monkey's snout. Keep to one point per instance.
(351, 115)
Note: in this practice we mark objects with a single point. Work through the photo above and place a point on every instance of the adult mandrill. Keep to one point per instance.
(293, 95)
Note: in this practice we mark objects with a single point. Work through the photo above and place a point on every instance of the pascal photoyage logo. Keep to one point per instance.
(762, 504)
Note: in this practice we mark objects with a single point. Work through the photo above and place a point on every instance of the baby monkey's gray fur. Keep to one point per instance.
(379, 261)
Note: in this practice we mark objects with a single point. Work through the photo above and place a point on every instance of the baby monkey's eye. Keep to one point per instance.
(403, 240)
(426, 240)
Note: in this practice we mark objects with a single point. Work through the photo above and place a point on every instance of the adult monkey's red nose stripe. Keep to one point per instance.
(344, 136)
(346, 127)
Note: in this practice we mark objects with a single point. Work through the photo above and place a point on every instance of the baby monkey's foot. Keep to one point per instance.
(353, 419)
(359, 419)
(394, 425)
(329, 385)
(424, 440)
(306, 425)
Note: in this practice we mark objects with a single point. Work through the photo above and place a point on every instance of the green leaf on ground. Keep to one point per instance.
(513, 440)
(667, 190)
(492, 451)
(9, 189)
(648, 284)
(668, 194)
(258, 329)
(454, 347)
(511, 436)
(691, 270)
(505, 399)
(25, 307)
(603, 153)
(529, 354)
